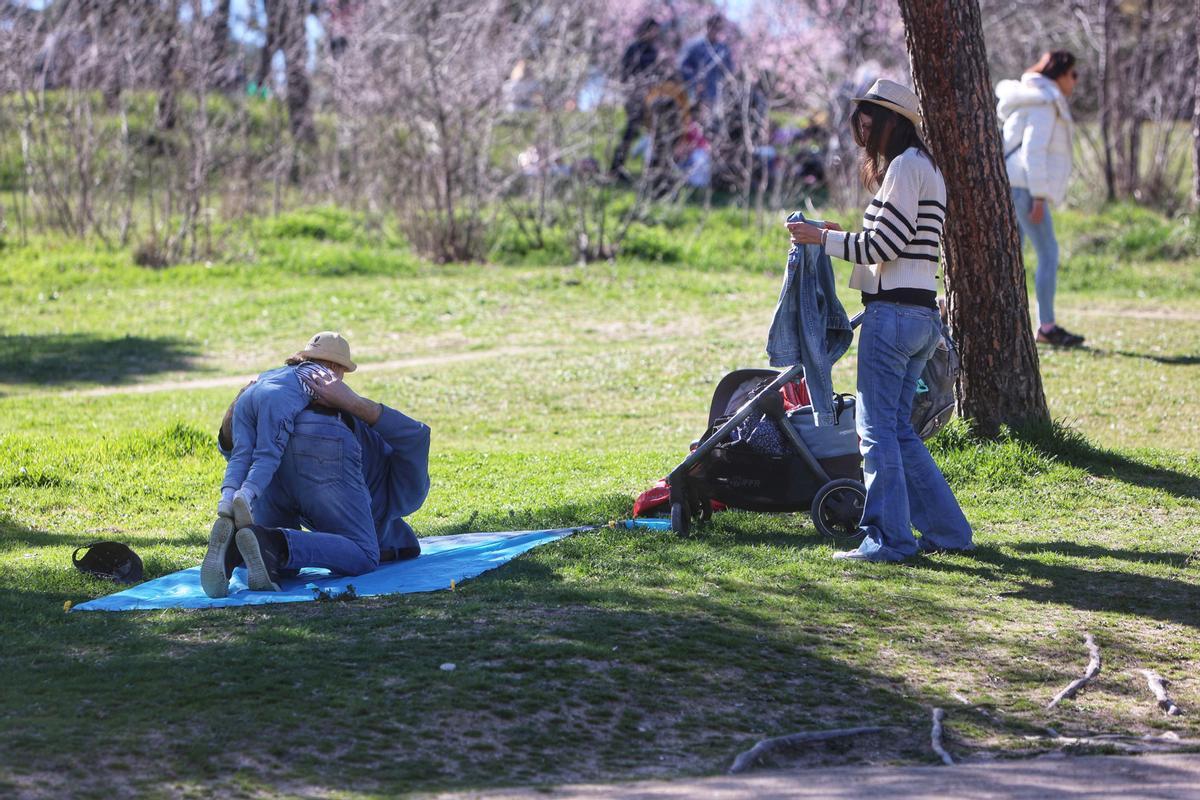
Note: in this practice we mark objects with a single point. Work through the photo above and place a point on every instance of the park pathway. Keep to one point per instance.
(1173, 777)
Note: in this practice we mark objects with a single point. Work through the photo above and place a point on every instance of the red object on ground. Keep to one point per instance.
(653, 498)
(795, 395)
(659, 497)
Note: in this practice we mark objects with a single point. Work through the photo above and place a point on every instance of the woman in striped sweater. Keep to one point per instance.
(895, 260)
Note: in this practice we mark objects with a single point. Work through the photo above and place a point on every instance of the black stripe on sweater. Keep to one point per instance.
(899, 234)
(930, 229)
(876, 235)
(895, 211)
(866, 240)
(932, 203)
(918, 257)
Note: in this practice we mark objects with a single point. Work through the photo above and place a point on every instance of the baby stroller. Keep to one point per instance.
(758, 455)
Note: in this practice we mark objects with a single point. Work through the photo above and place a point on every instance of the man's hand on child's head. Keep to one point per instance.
(335, 394)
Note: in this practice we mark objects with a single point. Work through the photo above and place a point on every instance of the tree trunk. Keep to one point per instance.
(985, 277)
(168, 28)
(1196, 118)
(271, 12)
(219, 44)
(295, 52)
(1137, 85)
(1107, 101)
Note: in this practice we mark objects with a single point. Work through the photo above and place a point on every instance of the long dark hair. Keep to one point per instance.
(891, 134)
(1054, 64)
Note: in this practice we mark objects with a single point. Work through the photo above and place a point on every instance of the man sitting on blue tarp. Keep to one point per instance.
(352, 470)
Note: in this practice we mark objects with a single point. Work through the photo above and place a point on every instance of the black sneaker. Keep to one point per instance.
(1059, 337)
(265, 551)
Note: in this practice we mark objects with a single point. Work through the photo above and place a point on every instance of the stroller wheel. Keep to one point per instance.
(681, 519)
(837, 508)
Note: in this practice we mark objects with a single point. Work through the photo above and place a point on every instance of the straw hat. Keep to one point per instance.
(330, 346)
(898, 98)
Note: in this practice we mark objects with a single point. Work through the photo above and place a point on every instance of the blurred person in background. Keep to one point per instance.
(1038, 133)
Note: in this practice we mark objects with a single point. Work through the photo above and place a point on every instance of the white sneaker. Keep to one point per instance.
(214, 576)
(243, 517)
(851, 555)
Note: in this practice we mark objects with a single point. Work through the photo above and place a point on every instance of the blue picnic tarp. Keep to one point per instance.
(443, 559)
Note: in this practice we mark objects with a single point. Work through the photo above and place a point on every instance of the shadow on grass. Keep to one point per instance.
(1070, 447)
(1104, 590)
(554, 681)
(54, 359)
(1188, 360)
(613, 675)
(1077, 550)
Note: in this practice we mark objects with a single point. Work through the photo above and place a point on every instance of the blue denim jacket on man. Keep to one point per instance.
(810, 325)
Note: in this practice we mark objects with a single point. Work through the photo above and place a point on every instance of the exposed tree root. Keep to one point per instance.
(1168, 742)
(747, 759)
(1093, 669)
(1158, 686)
(935, 738)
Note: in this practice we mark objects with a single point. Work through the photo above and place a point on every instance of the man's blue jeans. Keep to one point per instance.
(1045, 280)
(319, 484)
(905, 488)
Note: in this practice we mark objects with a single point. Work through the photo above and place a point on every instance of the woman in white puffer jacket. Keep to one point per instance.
(1038, 132)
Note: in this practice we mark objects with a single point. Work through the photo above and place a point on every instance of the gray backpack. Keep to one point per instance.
(934, 404)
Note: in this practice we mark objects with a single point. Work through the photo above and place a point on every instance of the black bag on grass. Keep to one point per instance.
(112, 561)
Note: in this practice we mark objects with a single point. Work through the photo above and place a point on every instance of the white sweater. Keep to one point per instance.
(1037, 135)
(902, 229)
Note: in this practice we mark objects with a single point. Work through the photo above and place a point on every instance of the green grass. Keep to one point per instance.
(555, 394)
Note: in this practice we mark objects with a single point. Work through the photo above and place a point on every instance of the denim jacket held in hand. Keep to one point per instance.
(810, 325)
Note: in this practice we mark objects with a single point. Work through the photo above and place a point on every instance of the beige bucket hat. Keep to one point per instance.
(897, 97)
(330, 346)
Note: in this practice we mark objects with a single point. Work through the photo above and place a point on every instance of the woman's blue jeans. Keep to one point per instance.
(320, 485)
(905, 488)
(1045, 280)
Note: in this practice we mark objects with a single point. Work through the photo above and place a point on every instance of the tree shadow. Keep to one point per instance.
(1188, 360)
(1070, 447)
(1101, 590)
(553, 680)
(55, 359)
(1076, 550)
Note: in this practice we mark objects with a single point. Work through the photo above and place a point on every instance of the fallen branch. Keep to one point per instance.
(935, 738)
(1158, 686)
(747, 759)
(1093, 669)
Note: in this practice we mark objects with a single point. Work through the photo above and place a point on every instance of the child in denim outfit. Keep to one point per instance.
(262, 424)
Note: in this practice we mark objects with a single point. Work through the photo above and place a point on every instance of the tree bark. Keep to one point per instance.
(219, 44)
(295, 53)
(1196, 117)
(271, 12)
(1000, 382)
(167, 25)
(1107, 101)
